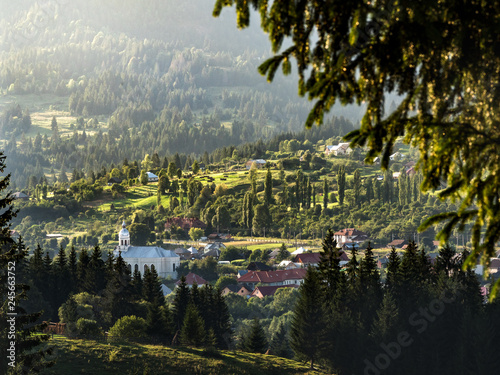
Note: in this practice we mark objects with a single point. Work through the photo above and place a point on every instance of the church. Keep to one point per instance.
(165, 262)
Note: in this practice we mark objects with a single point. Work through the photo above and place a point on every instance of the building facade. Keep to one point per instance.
(165, 262)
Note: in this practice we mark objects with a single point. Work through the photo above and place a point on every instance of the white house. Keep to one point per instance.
(165, 262)
(259, 162)
(152, 177)
(350, 236)
(340, 149)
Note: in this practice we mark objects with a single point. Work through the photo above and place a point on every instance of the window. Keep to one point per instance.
(173, 267)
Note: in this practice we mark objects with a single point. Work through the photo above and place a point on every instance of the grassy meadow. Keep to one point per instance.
(75, 356)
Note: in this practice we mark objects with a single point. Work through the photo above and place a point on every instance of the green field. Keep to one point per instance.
(91, 357)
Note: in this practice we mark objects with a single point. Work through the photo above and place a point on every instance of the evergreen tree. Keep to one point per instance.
(256, 341)
(95, 273)
(307, 331)
(61, 277)
(325, 194)
(268, 187)
(151, 286)
(137, 284)
(393, 280)
(81, 269)
(370, 195)
(29, 357)
(181, 301)
(158, 320)
(280, 345)
(119, 290)
(341, 184)
(371, 285)
(220, 321)
(36, 268)
(72, 269)
(357, 187)
(386, 323)
(283, 253)
(193, 328)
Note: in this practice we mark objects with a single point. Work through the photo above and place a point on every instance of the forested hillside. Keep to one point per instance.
(82, 86)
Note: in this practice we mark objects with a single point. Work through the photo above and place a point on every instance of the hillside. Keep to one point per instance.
(86, 210)
(91, 357)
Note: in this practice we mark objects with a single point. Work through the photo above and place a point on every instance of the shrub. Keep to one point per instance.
(129, 327)
(88, 327)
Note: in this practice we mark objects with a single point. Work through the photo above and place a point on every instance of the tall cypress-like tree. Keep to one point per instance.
(268, 187)
(325, 194)
(341, 184)
(356, 184)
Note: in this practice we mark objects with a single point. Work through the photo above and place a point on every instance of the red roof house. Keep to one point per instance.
(307, 259)
(279, 277)
(192, 278)
(264, 291)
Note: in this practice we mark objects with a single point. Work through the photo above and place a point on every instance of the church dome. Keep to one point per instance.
(124, 233)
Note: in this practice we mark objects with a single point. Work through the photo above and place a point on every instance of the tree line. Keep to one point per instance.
(422, 317)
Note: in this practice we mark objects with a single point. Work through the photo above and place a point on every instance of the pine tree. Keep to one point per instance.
(393, 279)
(151, 286)
(61, 277)
(307, 331)
(221, 318)
(329, 268)
(371, 286)
(137, 285)
(81, 269)
(181, 301)
(36, 268)
(95, 274)
(280, 345)
(119, 291)
(72, 268)
(386, 323)
(446, 261)
(193, 328)
(29, 357)
(256, 341)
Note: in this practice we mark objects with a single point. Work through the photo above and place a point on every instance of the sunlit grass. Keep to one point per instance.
(91, 357)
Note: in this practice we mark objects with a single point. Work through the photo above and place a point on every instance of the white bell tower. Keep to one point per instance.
(123, 239)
